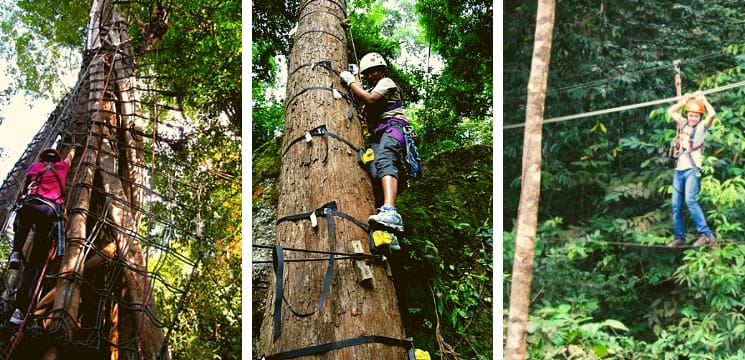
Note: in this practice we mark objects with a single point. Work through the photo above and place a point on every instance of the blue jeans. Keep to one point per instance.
(686, 184)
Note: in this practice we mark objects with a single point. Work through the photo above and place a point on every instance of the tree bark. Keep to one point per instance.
(104, 202)
(314, 174)
(527, 217)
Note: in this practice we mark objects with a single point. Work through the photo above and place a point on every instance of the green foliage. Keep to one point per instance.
(606, 248)
(43, 46)
(448, 258)
(568, 332)
(199, 58)
(209, 182)
(457, 107)
(272, 21)
(609, 56)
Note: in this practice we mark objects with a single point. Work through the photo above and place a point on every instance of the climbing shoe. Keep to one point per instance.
(15, 260)
(385, 238)
(17, 317)
(676, 243)
(703, 240)
(388, 219)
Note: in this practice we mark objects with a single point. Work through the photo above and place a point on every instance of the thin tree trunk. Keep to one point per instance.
(312, 175)
(527, 217)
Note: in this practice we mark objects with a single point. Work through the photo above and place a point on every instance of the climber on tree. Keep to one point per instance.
(40, 208)
(386, 122)
(687, 177)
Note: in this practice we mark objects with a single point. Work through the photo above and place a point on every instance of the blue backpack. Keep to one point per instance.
(412, 158)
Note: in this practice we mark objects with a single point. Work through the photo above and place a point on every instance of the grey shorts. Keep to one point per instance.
(388, 156)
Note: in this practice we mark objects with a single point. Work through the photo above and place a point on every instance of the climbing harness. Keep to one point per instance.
(407, 344)
(59, 221)
(329, 210)
(688, 152)
(51, 203)
(320, 131)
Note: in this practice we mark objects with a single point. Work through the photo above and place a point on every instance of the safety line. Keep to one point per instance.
(627, 107)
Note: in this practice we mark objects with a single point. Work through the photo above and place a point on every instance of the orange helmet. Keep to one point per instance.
(51, 155)
(695, 105)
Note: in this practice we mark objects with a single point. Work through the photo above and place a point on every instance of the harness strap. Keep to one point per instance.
(320, 131)
(394, 105)
(407, 344)
(692, 148)
(278, 265)
(328, 210)
(38, 179)
(60, 221)
(388, 126)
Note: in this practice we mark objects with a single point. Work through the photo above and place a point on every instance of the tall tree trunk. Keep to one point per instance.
(312, 175)
(101, 118)
(527, 217)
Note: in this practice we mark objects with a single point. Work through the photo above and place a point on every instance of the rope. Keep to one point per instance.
(149, 230)
(627, 107)
(630, 244)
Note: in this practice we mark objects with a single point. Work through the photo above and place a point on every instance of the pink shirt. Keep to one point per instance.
(47, 185)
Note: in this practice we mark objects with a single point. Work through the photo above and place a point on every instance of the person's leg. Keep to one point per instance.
(677, 208)
(22, 226)
(45, 218)
(386, 166)
(376, 178)
(692, 187)
(390, 190)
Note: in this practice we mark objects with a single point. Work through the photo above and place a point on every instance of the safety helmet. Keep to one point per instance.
(695, 105)
(371, 60)
(51, 155)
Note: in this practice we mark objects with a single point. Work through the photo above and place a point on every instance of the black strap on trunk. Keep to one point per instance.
(329, 210)
(407, 344)
(320, 131)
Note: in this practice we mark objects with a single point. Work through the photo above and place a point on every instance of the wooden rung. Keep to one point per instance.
(361, 269)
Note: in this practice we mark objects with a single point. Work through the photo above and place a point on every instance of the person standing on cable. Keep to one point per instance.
(687, 177)
(40, 209)
(386, 122)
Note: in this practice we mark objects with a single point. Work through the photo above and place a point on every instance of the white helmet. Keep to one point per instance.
(371, 60)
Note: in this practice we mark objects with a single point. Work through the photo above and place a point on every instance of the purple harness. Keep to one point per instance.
(388, 124)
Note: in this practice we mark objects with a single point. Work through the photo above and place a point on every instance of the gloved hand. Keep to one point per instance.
(347, 78)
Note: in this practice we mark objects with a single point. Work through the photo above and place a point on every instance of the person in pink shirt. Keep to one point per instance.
(41, 208)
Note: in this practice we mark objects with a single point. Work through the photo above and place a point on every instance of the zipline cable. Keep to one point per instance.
(627, 107)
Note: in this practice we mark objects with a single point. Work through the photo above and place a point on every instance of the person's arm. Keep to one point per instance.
(354, 86)
(711, 114)
(674, 111)
(70, 156)
(366, 97)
